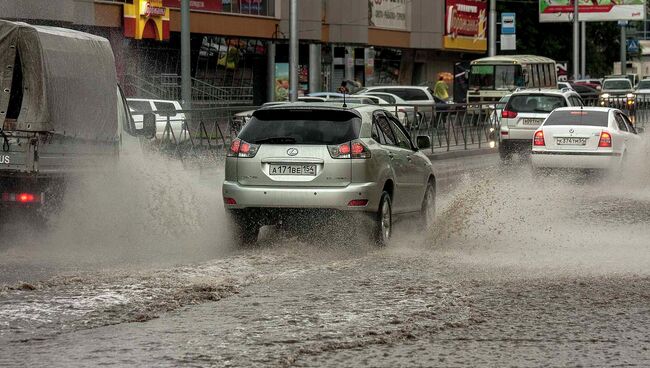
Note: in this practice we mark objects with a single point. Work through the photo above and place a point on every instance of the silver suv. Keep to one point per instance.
(294, 158)
(525, 112)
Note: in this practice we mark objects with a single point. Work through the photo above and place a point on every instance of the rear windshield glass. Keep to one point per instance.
(617, 84)
(535, 103)
(577, 117)
(301, 127)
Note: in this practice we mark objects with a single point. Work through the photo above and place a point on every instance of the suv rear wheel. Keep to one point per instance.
(505, 151)
(245, 229)
(384, 221)
(428, 212)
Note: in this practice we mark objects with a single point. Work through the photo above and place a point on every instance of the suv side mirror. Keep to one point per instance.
(148, 126)
(423, 142)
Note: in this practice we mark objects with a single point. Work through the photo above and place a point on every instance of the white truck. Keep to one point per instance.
(61, 112)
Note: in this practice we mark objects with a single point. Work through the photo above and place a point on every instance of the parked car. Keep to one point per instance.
(356, 160)
(617, 92)
(584, 138)
(524, 113)
(412, 118)
(162, 109)
(416, 95)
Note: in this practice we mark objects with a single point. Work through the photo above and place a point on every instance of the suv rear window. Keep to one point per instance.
(535, 103)
(578, 117)
(284, 126)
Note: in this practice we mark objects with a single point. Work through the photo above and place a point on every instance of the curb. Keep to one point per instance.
(461, 153)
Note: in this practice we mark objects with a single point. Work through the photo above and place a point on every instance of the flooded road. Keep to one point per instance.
(519, 271)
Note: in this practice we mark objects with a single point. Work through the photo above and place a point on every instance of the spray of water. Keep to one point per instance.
(145, 209)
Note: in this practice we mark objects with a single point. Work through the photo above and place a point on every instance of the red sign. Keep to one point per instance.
(465, 25)
(198, 5)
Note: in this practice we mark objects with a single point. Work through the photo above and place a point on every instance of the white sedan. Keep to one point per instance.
(584, 138)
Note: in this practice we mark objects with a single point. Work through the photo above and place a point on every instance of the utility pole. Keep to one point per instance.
(293, 51)
(583, 49)
(576, 40)
(623, 24)
(186, 77)
(492, 35)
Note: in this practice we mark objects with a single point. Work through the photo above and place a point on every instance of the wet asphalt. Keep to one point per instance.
(519, 271)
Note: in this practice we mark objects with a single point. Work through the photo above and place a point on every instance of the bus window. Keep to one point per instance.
(535, 75)
(553, 75)
(506, 76)
(481, 77)
(544, 74)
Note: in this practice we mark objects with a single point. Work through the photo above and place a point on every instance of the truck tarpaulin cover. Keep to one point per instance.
(69, 81)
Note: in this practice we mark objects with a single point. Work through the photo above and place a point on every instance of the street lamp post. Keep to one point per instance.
(186, 81)
(492, 33)
(576, 40)
(293, 51)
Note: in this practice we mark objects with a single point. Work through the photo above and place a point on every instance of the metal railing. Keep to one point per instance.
(449, 127)
(168, 87)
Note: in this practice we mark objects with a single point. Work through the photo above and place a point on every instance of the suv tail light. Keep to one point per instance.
(508, 114)
(605, 140)
(239, 148)
(538, 140)
(352, 149)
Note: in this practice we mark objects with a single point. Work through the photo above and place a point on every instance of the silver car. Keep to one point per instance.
(295, 158)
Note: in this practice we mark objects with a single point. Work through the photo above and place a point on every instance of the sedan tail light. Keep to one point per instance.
(352, 149)
(605, 140)
(538, 140)
(239, 148)
(508, 114)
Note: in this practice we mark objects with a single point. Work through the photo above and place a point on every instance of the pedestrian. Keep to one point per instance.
(343, 88)
(440, 89)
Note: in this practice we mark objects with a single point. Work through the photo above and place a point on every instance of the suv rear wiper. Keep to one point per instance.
(276, 140)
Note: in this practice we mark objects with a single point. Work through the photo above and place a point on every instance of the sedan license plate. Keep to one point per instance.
(571, 141)
(529, 121)
(292, 169)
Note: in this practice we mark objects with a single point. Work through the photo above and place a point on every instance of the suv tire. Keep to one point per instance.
(245, 229)
(383, 221)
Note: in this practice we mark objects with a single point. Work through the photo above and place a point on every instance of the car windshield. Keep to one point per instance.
(283, 126)
(617, 84)
(140, 106)
(165, 108)
(535, 103)
(578, 117)
(644, 84)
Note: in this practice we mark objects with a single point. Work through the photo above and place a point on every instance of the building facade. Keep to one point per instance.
(240, 47)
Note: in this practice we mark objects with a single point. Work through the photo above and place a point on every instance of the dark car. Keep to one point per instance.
(588, 94)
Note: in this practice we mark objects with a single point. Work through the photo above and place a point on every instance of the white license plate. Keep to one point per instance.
(292, 169)
(571, 141)
(529, 121)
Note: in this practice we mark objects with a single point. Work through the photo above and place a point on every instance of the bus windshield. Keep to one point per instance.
(495, 77)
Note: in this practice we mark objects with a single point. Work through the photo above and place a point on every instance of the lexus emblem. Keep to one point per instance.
(292, 151)
(571, 130)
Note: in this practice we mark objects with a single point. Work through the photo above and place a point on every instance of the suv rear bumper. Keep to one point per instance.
(296, 197)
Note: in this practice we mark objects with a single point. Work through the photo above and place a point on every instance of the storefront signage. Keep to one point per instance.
(465, 25)
(388, 13)
(594, 10)
(199, 5)
(146, 19)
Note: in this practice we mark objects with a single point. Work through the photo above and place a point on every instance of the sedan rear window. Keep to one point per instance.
(283, 126)
(535, 103)
(578, 117)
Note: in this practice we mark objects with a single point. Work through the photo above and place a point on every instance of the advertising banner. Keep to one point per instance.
(591, 10)
(465, 25)
(388, 13)
(198, 5)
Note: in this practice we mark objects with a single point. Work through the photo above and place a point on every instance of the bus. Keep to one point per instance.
(491, 78)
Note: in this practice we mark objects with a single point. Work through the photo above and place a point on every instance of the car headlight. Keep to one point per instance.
(604, 95)
(630, 95)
